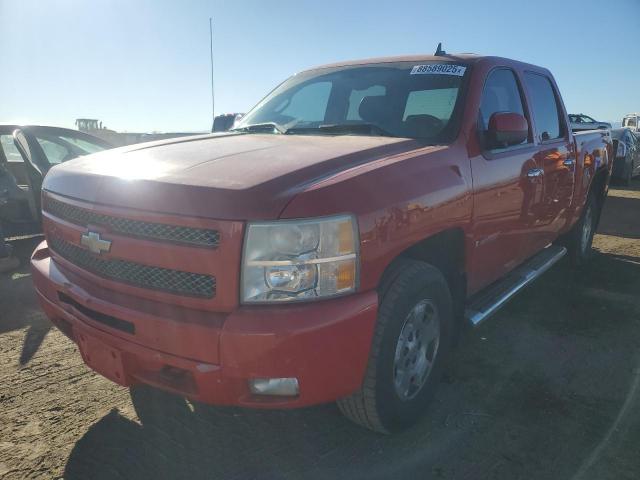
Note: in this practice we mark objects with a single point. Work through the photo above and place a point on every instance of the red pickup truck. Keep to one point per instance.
(331, 246)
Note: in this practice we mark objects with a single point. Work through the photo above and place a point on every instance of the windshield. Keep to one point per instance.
(395, 99)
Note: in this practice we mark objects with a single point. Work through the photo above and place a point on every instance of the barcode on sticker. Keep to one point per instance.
(439, 69)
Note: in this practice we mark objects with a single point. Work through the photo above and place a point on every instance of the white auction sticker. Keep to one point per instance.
(439, 69)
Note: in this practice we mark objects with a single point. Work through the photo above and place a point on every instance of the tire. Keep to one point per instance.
(626, 181)
(580, 239)
(157, 408)
(390, 399)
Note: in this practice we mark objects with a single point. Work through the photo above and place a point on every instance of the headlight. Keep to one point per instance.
(292, 260)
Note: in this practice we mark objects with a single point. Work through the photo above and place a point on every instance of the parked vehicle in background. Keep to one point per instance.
(27, 153)
(331, 246)
(95, 128)
(224, 122)
(627, 160)
(581, 121)
(632, 122)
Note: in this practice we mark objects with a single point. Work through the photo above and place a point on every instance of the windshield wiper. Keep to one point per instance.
(357, 128)
(259, 127)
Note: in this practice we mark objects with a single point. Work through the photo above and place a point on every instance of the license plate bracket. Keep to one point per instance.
(104, 359)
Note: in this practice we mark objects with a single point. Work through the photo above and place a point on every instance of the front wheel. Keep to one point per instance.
(411, 341)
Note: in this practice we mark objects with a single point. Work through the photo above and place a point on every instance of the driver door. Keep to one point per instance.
(507, 191)
(35, 168)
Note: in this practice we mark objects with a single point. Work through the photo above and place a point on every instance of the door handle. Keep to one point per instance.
(535, 173)
(569, 162)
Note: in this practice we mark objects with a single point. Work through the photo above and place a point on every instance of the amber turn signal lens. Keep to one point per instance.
(346, 277)
(345, 238)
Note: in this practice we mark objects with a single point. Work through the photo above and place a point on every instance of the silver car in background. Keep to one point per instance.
(626, 164)
(580, 121)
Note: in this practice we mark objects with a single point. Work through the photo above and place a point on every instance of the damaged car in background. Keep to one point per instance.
(26, 155)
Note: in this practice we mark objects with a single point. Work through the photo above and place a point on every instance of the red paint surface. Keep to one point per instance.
(400, 191)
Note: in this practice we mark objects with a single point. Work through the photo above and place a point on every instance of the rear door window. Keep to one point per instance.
(544, 106)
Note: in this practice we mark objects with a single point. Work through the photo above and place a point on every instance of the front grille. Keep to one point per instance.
(136, 274)
(156, 231)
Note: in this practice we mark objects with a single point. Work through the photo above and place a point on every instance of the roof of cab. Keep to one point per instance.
(462, 57)
(466, 58)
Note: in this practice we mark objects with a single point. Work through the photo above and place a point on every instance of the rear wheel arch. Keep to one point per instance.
(598, 189)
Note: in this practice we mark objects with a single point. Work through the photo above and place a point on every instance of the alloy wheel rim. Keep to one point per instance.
(416, 349)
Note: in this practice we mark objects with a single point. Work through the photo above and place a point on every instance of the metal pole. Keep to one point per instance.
(213, 112)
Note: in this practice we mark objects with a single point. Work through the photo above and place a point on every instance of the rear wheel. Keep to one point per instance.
(580, 239)
(626, 181)
(411, 341)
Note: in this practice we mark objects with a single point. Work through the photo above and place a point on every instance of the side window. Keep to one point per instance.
(544, 106)
(309, 103)
(55, 152)
(500, 94)
(11, 153)
(356, 97)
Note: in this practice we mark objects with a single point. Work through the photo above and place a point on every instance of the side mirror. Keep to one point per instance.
(507, 129)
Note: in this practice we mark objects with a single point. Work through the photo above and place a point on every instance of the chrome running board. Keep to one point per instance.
(491, 299)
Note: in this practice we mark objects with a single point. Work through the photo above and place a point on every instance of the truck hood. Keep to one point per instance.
(229, 176)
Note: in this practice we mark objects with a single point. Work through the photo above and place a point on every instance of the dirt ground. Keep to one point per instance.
(547, 389)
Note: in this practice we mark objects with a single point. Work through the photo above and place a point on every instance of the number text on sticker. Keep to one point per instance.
(439, 69)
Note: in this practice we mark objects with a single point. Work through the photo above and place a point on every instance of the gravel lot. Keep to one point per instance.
(548, 388)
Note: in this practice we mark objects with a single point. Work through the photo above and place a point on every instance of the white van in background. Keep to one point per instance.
(632, 122)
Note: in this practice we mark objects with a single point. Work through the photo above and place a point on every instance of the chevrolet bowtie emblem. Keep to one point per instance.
(94, 243)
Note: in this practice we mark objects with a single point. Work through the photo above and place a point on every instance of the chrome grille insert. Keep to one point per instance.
(136, 274)
(136, 228)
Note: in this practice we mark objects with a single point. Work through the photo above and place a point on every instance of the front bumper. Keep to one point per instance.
(324, 344)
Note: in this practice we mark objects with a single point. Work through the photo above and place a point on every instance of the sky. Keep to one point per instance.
(143, 65)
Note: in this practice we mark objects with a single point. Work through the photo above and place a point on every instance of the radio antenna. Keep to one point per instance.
(439, 51)
(213, 111)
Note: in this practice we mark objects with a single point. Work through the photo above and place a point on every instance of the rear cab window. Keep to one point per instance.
(545, 107)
